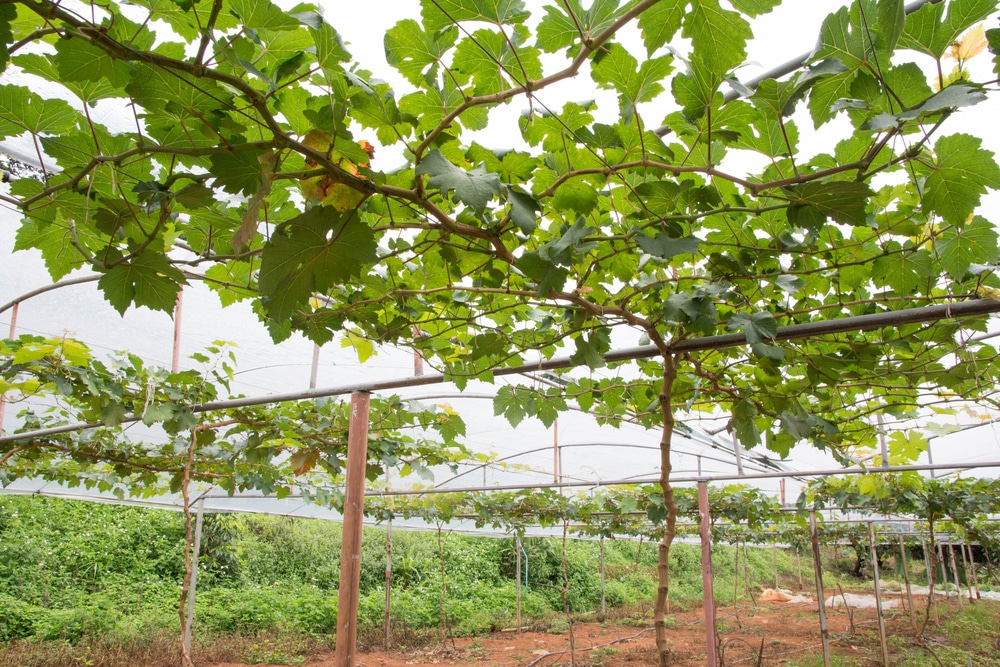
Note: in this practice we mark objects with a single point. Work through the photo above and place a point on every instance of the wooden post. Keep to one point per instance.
(954, 571)
(975, 575)
(706, 573)
(965, 566)
(906, 578)
(350, 548)
(820, 598)
(798, 564)
(774, 552)
(931, 569)
(878, 596)
(386, 622)
(944, 567)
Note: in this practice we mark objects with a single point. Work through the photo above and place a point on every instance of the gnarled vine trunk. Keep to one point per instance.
(662, 566)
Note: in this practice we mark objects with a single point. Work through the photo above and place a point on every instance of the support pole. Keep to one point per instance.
(189, 620)
(906, 578)
(13, 331)
(774, 553)
(604, 605)
(175, 359)
(314, 367)
(706, 573)
(954, 571)
(798, 564)
(350, 549)
(517, 548)
(781, 491)
(738, 451)
(929, 565)
(944, 567)
(387, 621)
(820, 597)
(556, 454)
(975, 575)
(878, 595)
(965, 566)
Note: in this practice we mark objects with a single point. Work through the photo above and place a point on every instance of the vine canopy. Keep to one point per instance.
(249, 166)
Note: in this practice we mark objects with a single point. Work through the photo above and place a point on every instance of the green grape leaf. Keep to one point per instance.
(960, 247)
(661, 22)
(413, 52)
(843, 201)
(8, 13)
(523, 210)
(962, 173)
(147, 280)
(263, 14)
(438, 14)
(310, 253)
(930, 30)
(473, 188)
(238, 172)
(757, 327)
(665, 247)
(635, 83)
(718, 35)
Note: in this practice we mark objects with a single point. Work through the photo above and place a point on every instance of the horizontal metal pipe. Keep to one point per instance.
(891, 318)
(689, 479)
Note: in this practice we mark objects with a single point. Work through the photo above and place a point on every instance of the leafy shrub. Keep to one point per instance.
(16, 619)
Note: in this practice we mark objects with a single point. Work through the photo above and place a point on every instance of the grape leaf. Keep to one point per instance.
(962, 173)
(310, 253)
(959, 248)
(147, 280)
(926, 31)
(474, 188)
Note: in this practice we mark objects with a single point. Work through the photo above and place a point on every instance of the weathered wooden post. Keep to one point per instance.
(350, 548)
(906, 578)
(706, 573)
(820, 597)
(878, 595)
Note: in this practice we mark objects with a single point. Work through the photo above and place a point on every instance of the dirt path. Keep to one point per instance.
(783, 634)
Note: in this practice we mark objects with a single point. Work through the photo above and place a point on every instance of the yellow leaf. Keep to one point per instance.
(971, 44)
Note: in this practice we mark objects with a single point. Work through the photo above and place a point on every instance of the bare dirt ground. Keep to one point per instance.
(782, 634)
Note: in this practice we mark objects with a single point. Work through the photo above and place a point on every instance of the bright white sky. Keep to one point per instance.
(265, 368)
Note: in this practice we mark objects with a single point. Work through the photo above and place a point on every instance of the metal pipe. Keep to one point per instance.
(13, 332)
(175, 357)
(517, 551)
(961, 309)
(48, 288)
(681, 480)
(189, 620)
(604, 605)
(387, 620)
(314, 367)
